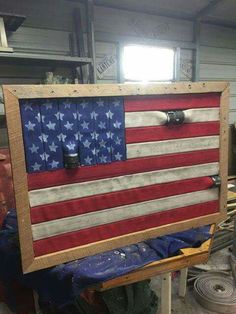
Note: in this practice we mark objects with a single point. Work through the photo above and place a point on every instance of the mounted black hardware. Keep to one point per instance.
(71, 161)
(216, 181)
(71, 155)
(175, 117)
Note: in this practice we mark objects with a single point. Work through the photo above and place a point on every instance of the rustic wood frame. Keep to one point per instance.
(12, 95)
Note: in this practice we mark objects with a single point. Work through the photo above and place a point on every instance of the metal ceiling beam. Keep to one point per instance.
(207, 9)
(219, 23)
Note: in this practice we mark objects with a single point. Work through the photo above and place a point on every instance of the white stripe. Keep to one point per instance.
(150, 118)
(79, 222)
(77, 190)
(201, 115)
(144, 118)
(171, 146)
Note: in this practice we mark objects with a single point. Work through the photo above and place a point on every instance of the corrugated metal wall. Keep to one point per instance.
(218, 59)
(49, 24)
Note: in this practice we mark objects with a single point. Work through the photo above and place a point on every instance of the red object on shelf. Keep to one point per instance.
(6, 186)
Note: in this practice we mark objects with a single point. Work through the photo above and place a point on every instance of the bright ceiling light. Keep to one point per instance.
(144, 63)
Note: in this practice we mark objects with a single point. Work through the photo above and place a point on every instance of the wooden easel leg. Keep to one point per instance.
(166, 293)
(183, 282)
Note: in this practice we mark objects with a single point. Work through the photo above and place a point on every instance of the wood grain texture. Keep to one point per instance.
(19, 177)
(101, 90)
(11, 96)
(224, 130)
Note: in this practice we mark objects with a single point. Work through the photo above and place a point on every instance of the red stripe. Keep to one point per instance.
(145, 103)
(115, 199)
(159, 133)
(82, 237)
(89, 173)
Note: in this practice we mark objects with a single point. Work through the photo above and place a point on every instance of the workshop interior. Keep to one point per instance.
(117, 157)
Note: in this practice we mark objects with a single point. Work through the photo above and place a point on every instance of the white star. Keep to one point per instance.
(102, 143)
(118, 141)
(53, 147)
(93, 115)
(102, 125)
(110, 149)
(44, 156)
(67, 104)
(34, 149)
(95, 151)
(28, 106)
(51, 125)
(86, 143)
(84, 104)
(88, 160)
(116, 103)
(78, 136)
(94, 135)
(100, 102)
(48, 105)
(79, 115)
(43, 138)
(71, 146)
(85, 125)
(110, 134)
(59, 115)
(117, 125)
(61, 137)
(75, 115)
(30, 126)
(109, 114)
(36, 166)
(103, 158)
(118, 156)
(54, 164)
(39, 117)
(68, 125)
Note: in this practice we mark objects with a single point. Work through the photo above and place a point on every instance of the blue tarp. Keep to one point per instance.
(60, 284)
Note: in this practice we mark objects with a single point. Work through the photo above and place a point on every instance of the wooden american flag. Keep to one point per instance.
(136, 172)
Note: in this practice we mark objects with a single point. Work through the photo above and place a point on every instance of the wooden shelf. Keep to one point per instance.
(43, 59)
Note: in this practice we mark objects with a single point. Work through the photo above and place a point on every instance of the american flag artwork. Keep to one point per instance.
(135, 170)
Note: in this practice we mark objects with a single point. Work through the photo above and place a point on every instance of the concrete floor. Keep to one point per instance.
(188, 305)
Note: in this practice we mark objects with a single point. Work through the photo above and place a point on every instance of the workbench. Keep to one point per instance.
(164, 268)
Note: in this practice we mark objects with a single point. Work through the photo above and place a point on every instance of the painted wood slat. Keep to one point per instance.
(77, 190)
(171, 146)
(151, 118)
(69, 224)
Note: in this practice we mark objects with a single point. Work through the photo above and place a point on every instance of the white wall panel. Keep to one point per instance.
(186, 65)
(218, 59)
(220, 37)
(126, 23)
(106, 62)
(28, 39)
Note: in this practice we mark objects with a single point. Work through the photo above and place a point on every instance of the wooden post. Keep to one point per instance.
(91, 42)
(183, 282)
(166, 293)
(78, 28)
